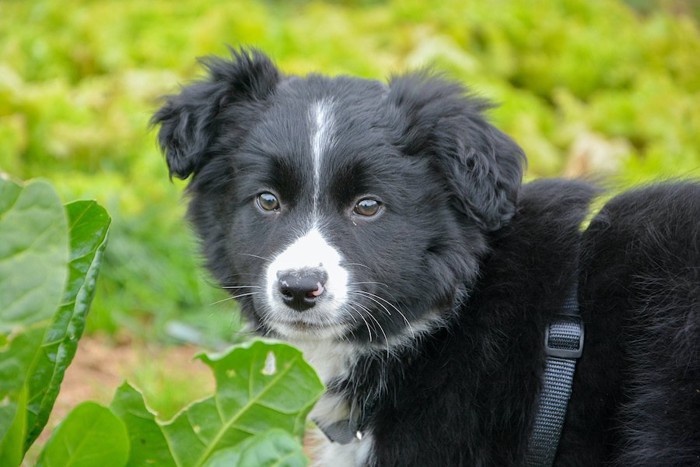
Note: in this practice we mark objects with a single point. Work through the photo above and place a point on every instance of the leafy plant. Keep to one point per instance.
(256, 417)
(49, 259)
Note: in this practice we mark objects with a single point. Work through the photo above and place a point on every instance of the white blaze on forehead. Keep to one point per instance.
(311, 251)
(321, 133)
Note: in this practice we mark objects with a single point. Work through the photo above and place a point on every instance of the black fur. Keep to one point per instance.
(460, 236)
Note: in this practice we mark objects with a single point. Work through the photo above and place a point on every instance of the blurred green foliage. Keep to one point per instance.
(600, 87)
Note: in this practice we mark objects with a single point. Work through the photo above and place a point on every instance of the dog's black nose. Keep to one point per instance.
(300, 289)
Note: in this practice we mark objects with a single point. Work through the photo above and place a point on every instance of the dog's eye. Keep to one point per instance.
(367, 207)
(268, 202)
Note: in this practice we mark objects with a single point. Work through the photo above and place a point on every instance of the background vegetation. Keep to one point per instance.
(586, 87)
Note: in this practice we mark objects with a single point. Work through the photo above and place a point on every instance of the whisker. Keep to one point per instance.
(369, 331)
(234, 297)
(388, 289)
(231, 277)
(255, 256)
(245, 274)
(369, 313)
(369, 282)
(375, 298)
(378, 297)
(353, 318)
(368, 295)
(386, 340)
(357, 264)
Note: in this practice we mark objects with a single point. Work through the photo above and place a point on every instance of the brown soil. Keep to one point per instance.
(101, 365)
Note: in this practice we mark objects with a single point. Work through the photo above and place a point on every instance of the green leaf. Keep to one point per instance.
(260, 386)
(13, 426)
(148, 443)
(252, 395)
(260, 380)
(88, 226)
(33, 256)
(42, 315)
(91, 435)
(17, 357)
(33, 253)
(271, 448)
(9, 192)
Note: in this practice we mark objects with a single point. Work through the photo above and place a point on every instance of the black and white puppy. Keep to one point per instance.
(383, 229)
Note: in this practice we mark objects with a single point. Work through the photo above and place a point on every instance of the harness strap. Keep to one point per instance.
(563, 346)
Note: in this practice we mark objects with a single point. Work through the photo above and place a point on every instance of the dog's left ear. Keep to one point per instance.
(483, 167)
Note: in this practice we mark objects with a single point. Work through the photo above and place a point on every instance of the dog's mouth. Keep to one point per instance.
(303, 325)
(305, 328)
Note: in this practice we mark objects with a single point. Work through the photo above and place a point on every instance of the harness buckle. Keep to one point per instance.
(564, 337)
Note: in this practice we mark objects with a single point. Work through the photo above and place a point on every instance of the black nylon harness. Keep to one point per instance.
(563, 345)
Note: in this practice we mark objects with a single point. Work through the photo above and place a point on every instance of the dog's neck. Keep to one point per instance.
(356, 375)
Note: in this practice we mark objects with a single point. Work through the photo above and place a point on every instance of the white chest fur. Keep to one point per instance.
(333, 360)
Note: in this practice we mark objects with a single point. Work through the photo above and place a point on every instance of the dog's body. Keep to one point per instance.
(384, 230)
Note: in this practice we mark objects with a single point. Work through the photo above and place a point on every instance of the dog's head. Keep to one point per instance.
(338, 207)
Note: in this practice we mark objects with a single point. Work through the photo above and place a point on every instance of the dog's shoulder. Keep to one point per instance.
(650, 229)
(641, 211)
(541, 241)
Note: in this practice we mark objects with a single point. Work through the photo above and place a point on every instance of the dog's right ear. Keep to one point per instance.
(482, 166)
(191, 121)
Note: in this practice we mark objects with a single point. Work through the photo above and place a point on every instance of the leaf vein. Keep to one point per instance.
(253, 400)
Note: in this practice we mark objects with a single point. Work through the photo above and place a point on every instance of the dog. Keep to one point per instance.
(384, 229)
